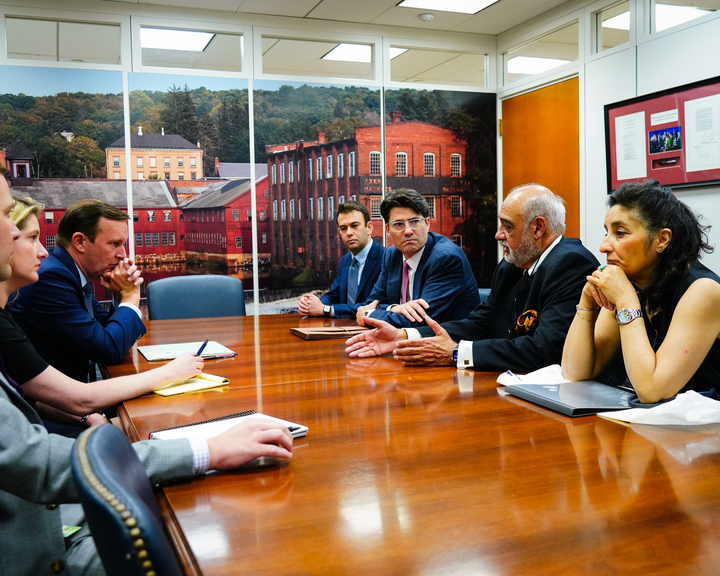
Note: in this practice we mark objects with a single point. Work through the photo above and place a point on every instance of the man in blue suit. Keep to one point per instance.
(522, 325)
(67, 326)
(359, 269)
(422, 271)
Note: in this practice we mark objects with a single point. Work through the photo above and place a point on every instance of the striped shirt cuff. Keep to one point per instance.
(200, 454)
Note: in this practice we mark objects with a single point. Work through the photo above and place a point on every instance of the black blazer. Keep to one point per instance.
(552, 292)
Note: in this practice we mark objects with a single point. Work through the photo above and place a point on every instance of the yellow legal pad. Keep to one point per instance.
(200, 382)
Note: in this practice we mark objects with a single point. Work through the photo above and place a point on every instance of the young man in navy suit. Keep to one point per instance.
(421, 271)
(358, 271)
(59, 313)
(523, 323)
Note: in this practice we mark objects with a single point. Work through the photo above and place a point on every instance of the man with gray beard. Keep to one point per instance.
(522, 325)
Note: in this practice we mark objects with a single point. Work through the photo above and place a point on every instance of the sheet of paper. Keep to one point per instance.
(630, 148)
(702, 134)
(687, 409)
(548, 375)
(170, 351)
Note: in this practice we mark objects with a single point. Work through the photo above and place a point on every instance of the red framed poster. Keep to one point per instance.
(671, 136)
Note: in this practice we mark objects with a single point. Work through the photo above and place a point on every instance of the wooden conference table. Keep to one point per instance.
(423, 471)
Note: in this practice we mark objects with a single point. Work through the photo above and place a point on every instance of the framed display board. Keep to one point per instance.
(671, 136)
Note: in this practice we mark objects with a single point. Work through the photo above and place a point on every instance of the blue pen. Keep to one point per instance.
(202, 347)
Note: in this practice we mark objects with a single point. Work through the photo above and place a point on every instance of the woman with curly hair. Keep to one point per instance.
(651, 314)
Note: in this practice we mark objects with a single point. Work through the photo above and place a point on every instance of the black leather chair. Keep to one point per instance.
(120, 506)
(204, 296)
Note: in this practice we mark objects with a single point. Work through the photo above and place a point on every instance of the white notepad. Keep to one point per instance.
(216, 426)
(172, 351)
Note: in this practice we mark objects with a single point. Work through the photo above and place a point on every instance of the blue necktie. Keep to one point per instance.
(88, 296)
(353, 281)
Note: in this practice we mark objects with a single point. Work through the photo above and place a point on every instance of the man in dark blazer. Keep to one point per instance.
(438, 281)
(522, 325)
(37, 491)
(362, 262)
(67, 326)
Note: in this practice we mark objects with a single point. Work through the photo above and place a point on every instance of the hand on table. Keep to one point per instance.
(252, 438)
(185, 366)
(382, 340)
(434, 351)
(311, 305)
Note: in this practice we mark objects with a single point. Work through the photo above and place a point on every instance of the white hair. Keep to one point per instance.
(548, 205)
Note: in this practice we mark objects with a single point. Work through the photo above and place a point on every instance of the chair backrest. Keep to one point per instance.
(484, 293)
(204, 296)
(120, 506)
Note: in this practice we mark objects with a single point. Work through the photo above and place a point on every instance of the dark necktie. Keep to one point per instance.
(88, 296)
(353, 281)
(405, 283)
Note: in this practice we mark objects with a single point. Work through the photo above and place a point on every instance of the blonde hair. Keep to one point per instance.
(24, 207)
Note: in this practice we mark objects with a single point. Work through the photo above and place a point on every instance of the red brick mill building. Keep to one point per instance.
(309, 179)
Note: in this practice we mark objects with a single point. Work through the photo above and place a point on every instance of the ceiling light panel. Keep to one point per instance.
(459, 6)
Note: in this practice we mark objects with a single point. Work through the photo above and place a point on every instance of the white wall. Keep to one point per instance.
(647, 64)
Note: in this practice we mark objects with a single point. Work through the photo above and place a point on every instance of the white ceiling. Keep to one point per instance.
(495, 19)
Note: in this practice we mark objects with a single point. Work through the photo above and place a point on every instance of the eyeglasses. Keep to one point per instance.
(399, 225)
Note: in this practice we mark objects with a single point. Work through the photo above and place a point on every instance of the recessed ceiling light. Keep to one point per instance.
(669, 15)
(187, 40)
(426, 16)
(461, 6)
(530, 65)
(619, 22)
(357, 53)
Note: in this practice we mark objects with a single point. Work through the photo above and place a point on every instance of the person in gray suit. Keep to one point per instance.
(37, 491)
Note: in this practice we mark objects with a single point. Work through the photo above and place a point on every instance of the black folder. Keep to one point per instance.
(574, 398)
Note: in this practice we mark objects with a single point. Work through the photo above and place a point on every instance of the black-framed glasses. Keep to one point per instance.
(399, 225)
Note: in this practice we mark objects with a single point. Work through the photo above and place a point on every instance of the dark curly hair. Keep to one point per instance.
(657, 207)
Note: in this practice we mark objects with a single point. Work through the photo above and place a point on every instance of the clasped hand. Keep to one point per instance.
(609, 287)
(125, 277)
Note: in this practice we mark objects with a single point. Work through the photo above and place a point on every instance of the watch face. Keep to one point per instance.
(627, 315)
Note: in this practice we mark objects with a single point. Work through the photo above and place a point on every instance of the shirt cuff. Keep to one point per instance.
(465, 354)
(137, 310)
(412, 333)
(200, 454)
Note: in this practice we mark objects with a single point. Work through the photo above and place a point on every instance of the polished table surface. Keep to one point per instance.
(423, 471)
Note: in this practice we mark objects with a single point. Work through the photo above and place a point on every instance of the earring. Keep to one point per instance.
(660, 249)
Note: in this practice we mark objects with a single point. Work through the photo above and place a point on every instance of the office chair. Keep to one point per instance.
(205, 296)
(484, 293)
(120, 506)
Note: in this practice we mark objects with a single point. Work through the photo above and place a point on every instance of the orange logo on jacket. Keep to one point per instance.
(526, 322)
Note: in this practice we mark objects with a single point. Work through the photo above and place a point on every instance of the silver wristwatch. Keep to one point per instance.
(627, 315)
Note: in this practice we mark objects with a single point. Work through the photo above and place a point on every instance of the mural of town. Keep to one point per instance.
(315, 147)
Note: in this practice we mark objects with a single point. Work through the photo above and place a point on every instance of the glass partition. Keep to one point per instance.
(442, 144)
(611, 26)
(550, 51)
(61, 41)
(309, 136)
(425, 66)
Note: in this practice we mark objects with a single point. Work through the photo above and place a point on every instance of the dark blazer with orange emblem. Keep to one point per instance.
(544, 304)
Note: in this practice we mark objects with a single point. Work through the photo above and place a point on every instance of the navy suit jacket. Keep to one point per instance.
(337, 295)
(443, 279)
(552, 292)
(52, 313)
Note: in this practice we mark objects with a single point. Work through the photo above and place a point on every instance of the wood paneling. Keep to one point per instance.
(540, 140)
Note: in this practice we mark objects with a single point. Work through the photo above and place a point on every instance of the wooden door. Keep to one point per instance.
(540, 143)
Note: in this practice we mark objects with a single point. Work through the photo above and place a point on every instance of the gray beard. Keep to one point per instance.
(525, 253)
